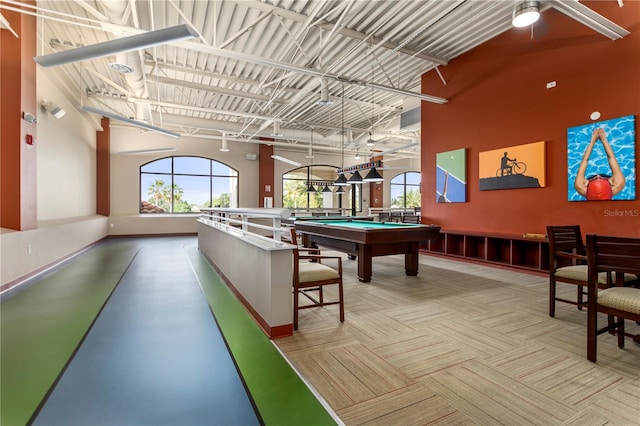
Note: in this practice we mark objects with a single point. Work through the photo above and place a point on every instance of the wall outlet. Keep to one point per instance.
(28, 248)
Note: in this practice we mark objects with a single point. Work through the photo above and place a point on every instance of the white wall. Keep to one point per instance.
(66, 193)
(66, 156)
(125, 178)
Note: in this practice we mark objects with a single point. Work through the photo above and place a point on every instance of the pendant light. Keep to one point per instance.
(356, 177)
(525, 14)
(373, 176)
(310, 188)
(341, 180)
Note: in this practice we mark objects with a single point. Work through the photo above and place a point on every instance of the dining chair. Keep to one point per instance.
(410, 218)
(311, 275)
(615, 256)
(568, 265)
(384, 216)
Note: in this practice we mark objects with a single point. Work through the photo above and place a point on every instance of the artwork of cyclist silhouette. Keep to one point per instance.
(510, 167)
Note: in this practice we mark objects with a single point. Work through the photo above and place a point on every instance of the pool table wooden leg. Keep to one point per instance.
(411, 260)
(364, 263)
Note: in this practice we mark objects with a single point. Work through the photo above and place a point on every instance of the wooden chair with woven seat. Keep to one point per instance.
(311, 275)
(568, 264)
(619, 257)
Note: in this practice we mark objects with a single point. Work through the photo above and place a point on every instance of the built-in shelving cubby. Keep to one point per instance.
(506, 250)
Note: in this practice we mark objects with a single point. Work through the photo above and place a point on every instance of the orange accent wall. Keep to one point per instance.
(498, 98)
(17, 158)
(266, 170)
(103, 167)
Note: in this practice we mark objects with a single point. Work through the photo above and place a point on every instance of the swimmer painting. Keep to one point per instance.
(601, 160)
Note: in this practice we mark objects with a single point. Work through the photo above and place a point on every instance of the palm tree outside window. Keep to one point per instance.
(405, 190)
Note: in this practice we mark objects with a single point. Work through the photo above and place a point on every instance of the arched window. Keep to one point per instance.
(295, 185)
(405, 190)
(185, 184)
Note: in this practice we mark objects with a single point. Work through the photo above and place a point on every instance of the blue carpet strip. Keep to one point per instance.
(154, 356)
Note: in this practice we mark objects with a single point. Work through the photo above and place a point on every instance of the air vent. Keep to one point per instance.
(410, 120)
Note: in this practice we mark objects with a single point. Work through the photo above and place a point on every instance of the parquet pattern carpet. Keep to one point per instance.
(461, 344)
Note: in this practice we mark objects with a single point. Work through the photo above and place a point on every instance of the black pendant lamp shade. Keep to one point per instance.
(373, 176)
(341, 181)
(355, 177)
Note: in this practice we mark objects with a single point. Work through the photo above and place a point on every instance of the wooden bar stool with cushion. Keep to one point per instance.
(309, 275)
(621, 257)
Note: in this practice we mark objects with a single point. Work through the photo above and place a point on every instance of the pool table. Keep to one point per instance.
(366, 239)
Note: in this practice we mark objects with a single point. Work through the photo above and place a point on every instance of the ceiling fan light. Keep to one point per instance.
(525, 13)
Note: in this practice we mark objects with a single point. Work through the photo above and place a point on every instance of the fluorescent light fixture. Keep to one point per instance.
(286, 160)
(146, 151)
(121, 45)
(53, 109)
(588, 17)
(525, 13)
(127, 120)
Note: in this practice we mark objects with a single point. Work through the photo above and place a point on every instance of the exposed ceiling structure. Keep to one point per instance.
(256, 66)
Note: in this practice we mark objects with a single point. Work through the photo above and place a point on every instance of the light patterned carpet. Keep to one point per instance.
(462, 343)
